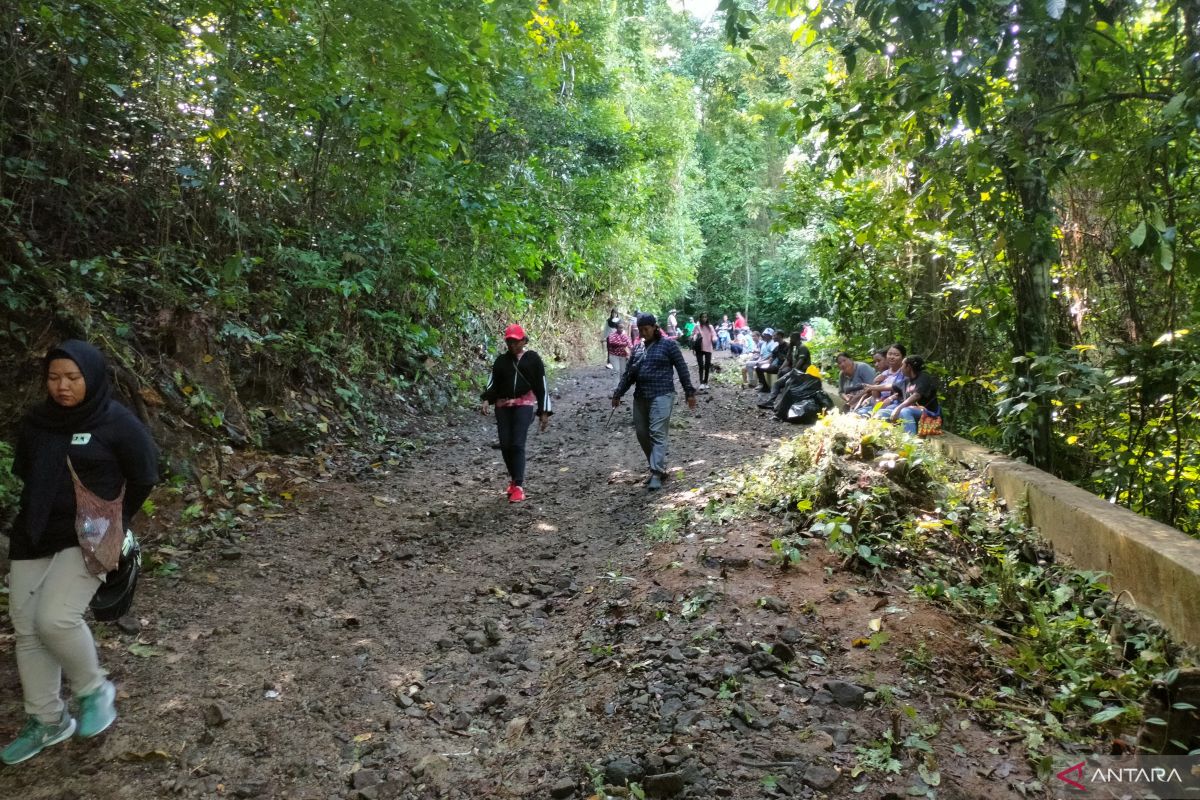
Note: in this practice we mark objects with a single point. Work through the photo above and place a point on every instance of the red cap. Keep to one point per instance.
(515, 331)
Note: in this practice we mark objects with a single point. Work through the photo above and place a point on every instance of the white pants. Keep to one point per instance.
(47, 600)
(618, 364)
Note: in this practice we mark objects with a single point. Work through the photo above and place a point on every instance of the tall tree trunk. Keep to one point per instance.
(1031, 243)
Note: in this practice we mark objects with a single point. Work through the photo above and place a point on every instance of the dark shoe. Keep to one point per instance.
(655, 482)
(766, 404)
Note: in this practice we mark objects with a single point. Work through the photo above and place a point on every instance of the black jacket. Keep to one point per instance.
(118, 450)
(511, 379)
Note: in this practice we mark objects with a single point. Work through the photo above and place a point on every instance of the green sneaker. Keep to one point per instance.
(96, 710)
(35, 737)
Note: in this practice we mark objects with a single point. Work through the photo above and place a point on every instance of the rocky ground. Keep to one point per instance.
(404, 632)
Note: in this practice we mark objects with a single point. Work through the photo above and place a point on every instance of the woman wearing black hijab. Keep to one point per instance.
(49, 583)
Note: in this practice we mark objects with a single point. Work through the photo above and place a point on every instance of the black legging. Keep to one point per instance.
(512, 426)
(704, 363)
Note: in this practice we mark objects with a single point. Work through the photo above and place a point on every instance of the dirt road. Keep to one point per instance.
(412, 635)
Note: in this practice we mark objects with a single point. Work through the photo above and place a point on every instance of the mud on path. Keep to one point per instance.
(415, 636)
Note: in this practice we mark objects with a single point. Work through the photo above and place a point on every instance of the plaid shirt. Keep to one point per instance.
(651, 367)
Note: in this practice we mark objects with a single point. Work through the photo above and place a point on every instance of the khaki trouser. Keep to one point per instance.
(651, 422)
(47, 600)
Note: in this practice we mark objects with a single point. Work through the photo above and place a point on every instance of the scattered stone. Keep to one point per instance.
(763, 662)
(792, 635)
(838, 733)
(621, 771)
(433, 768)
(783, 652)
(493, 700)
(685, 721)
(847, 695)
(531, 665)
(217, 714)
(363, 778)
(820, 777)
(563, 789)
(476, 641)
(819, 742)
(745, 712)
(773, 604)
(667, 784)
(516, 728)
(675, 656)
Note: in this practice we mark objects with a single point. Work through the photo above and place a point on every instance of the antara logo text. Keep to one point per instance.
(1075, 775)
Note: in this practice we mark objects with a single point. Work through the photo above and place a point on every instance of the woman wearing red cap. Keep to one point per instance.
(517, 388)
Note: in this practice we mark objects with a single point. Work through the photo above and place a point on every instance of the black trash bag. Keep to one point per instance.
(115, 596)
(802, 401)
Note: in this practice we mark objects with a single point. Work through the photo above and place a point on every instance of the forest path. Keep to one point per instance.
(413, 635)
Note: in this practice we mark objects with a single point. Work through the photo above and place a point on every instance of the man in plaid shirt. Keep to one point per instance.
(650, 367)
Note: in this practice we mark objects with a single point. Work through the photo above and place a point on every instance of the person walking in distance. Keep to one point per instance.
(704, 342)
(618, 349)
(610, 326)
(650, 367)
(77, 446)
(517, 387)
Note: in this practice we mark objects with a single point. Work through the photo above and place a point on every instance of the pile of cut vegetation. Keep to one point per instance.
(1073, 665)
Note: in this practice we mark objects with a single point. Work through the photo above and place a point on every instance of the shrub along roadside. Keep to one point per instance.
(1071, 663)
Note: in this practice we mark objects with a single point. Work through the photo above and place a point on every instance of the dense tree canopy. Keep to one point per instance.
(342, 196)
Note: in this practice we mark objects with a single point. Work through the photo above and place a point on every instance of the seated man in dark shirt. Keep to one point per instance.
(797, 361)
(853, 377)
(772, 364)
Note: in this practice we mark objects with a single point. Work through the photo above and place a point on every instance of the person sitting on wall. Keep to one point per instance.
(742, 343)
(775, 363)
(723, 333)
(920, 395)
(798, 361)
(882, 390)
(766, 346)
(853, 378)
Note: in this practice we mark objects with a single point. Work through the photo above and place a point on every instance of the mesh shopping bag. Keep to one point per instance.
(99, 524)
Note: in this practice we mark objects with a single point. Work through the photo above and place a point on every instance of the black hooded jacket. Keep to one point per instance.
(108, 446)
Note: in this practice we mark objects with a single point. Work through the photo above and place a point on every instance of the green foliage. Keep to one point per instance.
(667, 526)
(1003, 188)
(10, 485)
(879, 502)
(344, 189)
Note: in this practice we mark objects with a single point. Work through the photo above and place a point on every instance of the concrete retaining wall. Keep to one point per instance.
(1157, 564)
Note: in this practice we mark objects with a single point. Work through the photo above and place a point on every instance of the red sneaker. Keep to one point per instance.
(516, 495)
(511, 486)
